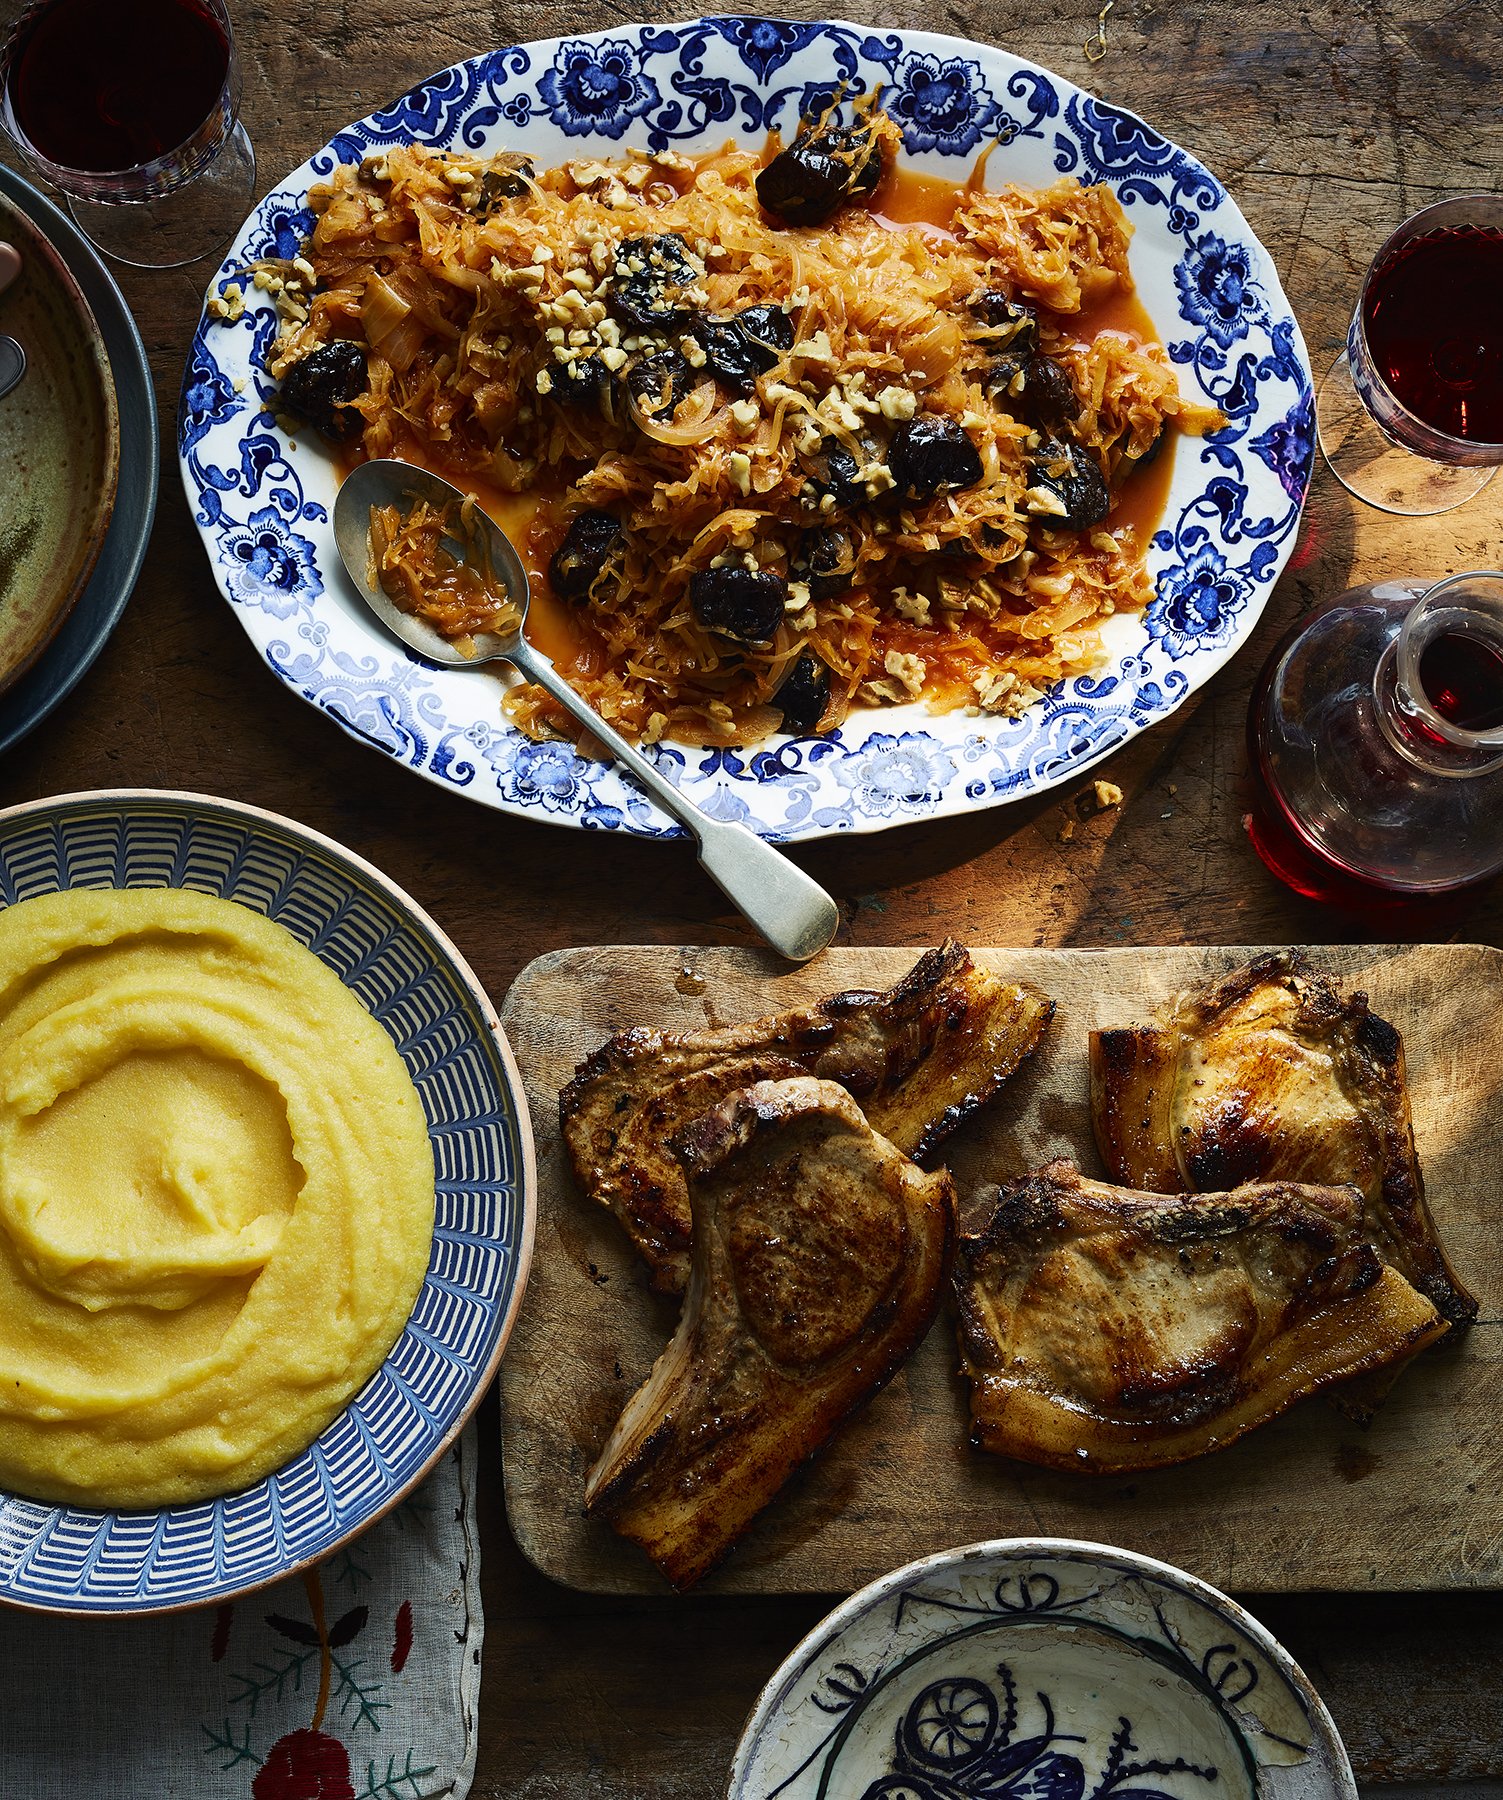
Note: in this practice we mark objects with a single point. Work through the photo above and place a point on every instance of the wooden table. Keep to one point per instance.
(1329, 122)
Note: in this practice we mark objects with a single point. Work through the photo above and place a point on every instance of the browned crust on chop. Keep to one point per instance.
(919, 1058)
(820, 1255)
(1270, 1074)
(1105, 1331)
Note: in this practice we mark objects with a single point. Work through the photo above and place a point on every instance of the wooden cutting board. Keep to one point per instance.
(1309, 1501)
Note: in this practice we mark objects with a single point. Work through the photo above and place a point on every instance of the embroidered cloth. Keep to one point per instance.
(359, 1682)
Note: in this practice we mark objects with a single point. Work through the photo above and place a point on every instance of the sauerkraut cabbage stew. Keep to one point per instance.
(779, 433)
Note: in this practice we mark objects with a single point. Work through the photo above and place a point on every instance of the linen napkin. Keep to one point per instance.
(359, 1682)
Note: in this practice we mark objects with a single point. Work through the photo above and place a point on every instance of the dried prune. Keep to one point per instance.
(1004, 379)
(1035, 388)
(832, 469)
(769, 328)
(730, 358)
(825, 561)
(1074, 492)
(1129, 465)
(506, 181)
(652, 279)
(321, 387)
(589, 544)
(740, 603)
(825, 166)
(930, 455)
(1048, 392)
(805, 694)
(581, 382)
(747, 345)
(1015, 324)
(658, 383)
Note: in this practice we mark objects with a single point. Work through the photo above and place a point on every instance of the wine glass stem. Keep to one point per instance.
(184, 225)
(1368, 463)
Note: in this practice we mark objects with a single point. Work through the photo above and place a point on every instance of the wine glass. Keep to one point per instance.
(131, 109)
(1410, 415)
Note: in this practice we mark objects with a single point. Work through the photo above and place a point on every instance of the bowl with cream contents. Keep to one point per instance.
(266, 1199)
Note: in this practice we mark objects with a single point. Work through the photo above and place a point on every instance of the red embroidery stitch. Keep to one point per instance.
(308, 1764)
(401, 1647)
(305, 1765)
(221, 1639)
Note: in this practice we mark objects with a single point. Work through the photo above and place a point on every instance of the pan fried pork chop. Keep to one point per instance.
(1270, 1075)
(919, 1059)
(820, 1252)
(1106, 1331)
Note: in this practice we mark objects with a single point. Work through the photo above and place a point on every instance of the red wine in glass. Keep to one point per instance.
(1433, 314)
(107, 85)
(132, 107)
(1410, 415)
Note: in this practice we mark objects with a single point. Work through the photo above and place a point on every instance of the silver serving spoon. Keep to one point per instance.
(12, 356)
(790, 909)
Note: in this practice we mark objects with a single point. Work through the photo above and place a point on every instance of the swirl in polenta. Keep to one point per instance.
(216, 1196)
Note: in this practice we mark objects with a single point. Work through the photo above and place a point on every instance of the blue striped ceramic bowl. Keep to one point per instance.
(381, 945)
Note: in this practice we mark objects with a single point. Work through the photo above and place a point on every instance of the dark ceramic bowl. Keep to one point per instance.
(86, 630)
(59, 447)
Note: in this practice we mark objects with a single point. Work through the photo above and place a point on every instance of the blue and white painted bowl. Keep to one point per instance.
(262, 503)
(1040, 1669)
(417, 986)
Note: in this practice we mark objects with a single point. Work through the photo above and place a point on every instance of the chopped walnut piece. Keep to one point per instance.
(907, 670)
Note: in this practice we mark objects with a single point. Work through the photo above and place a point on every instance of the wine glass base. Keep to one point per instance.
(1368, 463)
(183, 226)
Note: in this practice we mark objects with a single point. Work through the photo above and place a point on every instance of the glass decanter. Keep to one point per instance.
(1376, 741)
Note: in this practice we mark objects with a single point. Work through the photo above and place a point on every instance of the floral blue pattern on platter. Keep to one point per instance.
(262, 501)
(1040, 1670)
(74, 1559)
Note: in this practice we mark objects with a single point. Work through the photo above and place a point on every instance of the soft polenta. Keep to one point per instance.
(216, 1196)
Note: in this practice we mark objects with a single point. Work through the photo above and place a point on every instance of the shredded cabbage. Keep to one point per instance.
(481, 289)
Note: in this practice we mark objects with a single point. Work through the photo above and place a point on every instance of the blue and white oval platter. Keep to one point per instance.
(415, 984)
(1041, 1669)
(262, 502)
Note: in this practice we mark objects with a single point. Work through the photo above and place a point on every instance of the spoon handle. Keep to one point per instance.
(789, 908)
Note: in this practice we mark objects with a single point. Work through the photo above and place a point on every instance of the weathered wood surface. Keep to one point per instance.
(1418, 1494)
(1330, 121)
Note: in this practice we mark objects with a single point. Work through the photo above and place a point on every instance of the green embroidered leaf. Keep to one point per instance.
(395, 1784)
(227, 1745)
(347, 1571)
(271, 1678)
(350, 1691)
